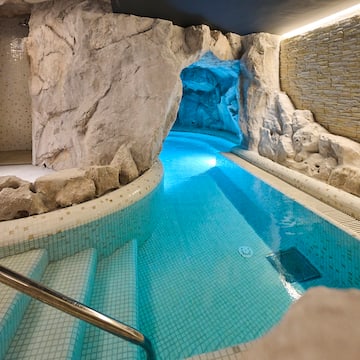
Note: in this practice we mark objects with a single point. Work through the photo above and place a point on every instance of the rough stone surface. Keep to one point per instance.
(346, 178)
(306, 140)
(125, 164)
(21, 198)
(90, 107)
(12, 182)
(323, 324)
(65, 187)
(346, 151)
(275, 129)
(105, 178)
(18, 200)
(101, 80)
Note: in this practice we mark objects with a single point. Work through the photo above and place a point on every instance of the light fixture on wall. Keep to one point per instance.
(328, 20)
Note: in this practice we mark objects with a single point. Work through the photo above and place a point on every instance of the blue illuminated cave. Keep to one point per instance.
(210, 98)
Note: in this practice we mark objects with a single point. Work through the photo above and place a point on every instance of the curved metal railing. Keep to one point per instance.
(74, 308)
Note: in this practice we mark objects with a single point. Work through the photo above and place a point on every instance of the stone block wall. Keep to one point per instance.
(320, 71)
(15, 102)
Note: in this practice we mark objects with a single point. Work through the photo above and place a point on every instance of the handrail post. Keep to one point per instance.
(74, 308)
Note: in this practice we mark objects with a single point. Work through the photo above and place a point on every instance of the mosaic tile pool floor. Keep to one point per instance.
(197, 293)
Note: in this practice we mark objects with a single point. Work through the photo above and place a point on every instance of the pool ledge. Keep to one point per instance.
(25, 230)
(335, 205)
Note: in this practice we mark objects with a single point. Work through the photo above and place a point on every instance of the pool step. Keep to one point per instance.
(47, 333)
(13, 304)
(115, 294)
(30, 329)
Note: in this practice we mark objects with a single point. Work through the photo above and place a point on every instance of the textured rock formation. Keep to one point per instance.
(125, 164)
(323, 324)
(64, 188)
(106, 89)
(12, 182)
(100, 81)
(17, 199)
(273, 127)
(105, 178)
(346, 178)
(210, 96)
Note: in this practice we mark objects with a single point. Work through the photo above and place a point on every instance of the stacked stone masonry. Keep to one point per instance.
(320, 71)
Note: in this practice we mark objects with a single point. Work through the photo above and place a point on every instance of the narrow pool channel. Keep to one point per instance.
(205, 278)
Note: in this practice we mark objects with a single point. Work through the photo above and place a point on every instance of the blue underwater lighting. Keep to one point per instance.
(210, 96)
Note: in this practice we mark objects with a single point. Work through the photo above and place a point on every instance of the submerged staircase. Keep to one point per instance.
(30, 329)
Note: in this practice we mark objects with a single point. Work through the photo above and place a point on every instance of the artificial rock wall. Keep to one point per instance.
(273, 127)
(320, 71)
(105, 89)
(103, 83)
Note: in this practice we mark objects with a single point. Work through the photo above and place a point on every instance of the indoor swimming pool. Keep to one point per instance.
(207, 275)
(205, 257)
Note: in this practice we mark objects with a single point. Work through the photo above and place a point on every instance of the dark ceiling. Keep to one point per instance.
(239, 16)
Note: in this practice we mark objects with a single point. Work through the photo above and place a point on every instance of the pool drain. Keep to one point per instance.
(246, 251)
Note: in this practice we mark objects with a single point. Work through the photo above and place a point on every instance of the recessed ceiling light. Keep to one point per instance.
(328, 20)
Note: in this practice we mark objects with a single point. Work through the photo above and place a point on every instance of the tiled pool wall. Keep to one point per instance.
(105, 223)
(334, 252)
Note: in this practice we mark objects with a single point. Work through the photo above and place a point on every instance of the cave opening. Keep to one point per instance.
(210, 100)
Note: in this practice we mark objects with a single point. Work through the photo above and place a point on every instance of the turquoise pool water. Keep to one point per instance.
(197, 293)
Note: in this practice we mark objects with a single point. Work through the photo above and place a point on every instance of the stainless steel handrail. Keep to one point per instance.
(75, 308)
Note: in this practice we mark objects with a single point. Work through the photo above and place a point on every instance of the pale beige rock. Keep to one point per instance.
(100, 80)
(76, 191)
(323, 324)
(105, 178)
(259, 85)
(89, 105)
(306, 140)
(316, 166)
(301, 118)
(275, 140)
(275, 129)
(64, 188)
(285, 110)
(345, 151)
(285, 149)
(346, 178)
(19, 202)
(268, 143)
(125, 164)
(12, 182)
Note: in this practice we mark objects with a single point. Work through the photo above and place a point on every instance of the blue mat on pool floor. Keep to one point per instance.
(293, 265)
